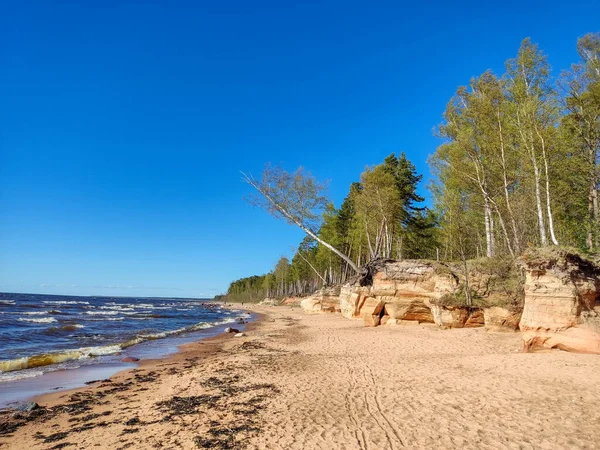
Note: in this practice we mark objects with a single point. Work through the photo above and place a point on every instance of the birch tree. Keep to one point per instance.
(582, 84)
(534, 106)
(296, 198)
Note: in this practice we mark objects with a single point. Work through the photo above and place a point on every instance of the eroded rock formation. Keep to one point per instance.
(501, 319)
(561, 293)
(401, 291)
(326, 299)
(562, 303)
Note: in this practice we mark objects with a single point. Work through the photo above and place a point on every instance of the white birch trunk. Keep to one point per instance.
(547, 176)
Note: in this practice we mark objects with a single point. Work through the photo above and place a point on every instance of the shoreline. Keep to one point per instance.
(64, 380)
(308, 381)
(212, 343)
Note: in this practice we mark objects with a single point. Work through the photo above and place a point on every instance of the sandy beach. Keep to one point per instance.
(298, 381)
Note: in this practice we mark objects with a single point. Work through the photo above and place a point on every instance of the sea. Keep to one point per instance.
(42, 334)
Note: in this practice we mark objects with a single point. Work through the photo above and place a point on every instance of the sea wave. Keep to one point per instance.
(102, 313)
(46, 359)
(41, 320)
(88, 352)
(54, 331)
(105, 319)
(65, 302)
(7, 302)
(19, 375)
(116, 308)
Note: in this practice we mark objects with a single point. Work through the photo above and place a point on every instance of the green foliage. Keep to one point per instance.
(515, 169)
(380, 216)
(493, 282)
(518, 168)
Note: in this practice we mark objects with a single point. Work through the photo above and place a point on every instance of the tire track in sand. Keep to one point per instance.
(359, 432)
(372, 386)
(380, 410)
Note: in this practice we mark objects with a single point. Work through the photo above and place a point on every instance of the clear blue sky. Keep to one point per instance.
(123, 125)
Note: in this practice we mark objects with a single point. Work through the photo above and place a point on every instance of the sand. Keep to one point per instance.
(298, 381)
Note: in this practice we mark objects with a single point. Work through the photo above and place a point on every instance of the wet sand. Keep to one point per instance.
(299, 381)
(22, 390)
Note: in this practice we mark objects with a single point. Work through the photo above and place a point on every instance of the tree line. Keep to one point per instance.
(381, 217)
(518, 166)
(519, 162)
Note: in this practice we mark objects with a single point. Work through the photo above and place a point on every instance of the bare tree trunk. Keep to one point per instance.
(487, 211)
(299, 253)
(516, 240)
(400, 247)
(549, 207)
(463, 257)
(538, 200)
(528, 143)
(594, 216)
(379, 240)
(369, 240)
(487, 217)
(285, 213)
(504, 231)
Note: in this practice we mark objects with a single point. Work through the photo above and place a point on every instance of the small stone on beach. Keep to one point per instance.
(239, 335)
(130, 359)
(31, 406)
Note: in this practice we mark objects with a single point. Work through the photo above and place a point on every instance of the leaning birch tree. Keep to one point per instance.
(295, 197)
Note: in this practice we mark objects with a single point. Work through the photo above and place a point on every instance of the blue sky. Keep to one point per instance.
(124, 124)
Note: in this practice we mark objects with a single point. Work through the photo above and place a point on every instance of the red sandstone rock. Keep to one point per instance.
(501, 319)
(562, 296)
(475, 319)
(326, 299)
(371, 320)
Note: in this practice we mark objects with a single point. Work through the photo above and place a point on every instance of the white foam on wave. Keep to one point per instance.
(36, 313)
(116, 308)
(41, 320)
(102, 313)
(64, 302)
(164, 334)
(7, 302)
(47, 359)
(100, 351)
(19, 375)
(105, 319)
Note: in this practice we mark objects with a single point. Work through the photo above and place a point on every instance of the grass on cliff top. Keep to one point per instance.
(561, 256)
(492, 281)
(459, 300)
(563, 262)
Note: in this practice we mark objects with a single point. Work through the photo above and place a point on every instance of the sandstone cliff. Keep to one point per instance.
(400, 291)
(428, 291)
(326, 299)
(553, 297)
(562, 302)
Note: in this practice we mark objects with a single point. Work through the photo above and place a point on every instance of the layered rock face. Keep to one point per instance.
(562, 304)
(457, 317)
(326, 299)
(401, 291)
(561, 299)
(501, 319)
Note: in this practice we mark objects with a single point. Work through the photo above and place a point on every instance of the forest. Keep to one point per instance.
(517, 167)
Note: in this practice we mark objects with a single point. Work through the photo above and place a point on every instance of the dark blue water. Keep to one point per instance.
(39, 333)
